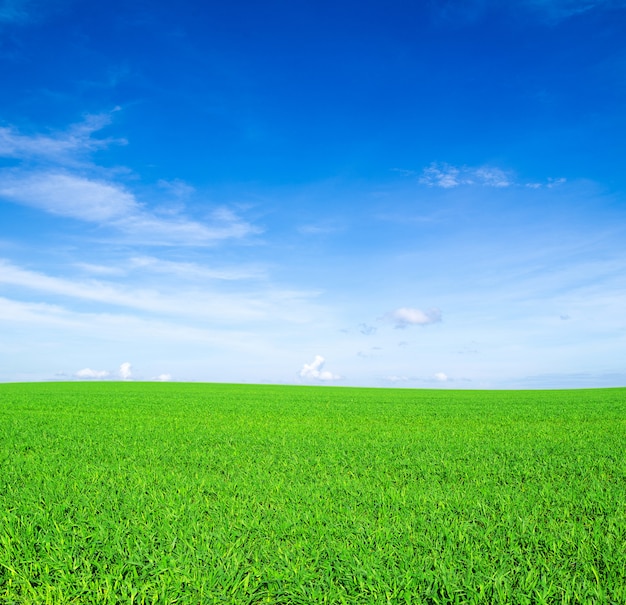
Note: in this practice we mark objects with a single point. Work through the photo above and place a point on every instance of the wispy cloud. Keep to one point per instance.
(89, 374)
(317, 229)
(407, 316)
(255, 305)
(145, 228)
(182, 270)
(33, 313)
(112, 205)
(119, 328)
(194, 271)
(56, 176)
(447, 176)
(100, 269)
(69, 147)
(70, 196)
(315, 370)
(178, 188)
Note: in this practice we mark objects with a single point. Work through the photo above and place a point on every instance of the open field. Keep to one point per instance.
(207, 493)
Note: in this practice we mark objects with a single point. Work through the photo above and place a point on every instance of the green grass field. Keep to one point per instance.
(209, 493)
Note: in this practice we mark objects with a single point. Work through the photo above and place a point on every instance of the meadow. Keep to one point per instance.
(216, 493)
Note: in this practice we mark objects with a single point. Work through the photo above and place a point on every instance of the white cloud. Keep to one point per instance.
(266, 304)
(33, 313)
(68, 147)
(163, 378)
(100, 269)
(447, 176)
(195, 271)
(68, 195)
(407, 316)
(146, 228)
(56, 177)
(492, 177)
(122, 328)
(177, 187)
(90, 290)
(441, 175)
(125, 371)
(112, 205)
(317, 229)
(315, 371)
(89, 374)
(555, 182)
(441, 377)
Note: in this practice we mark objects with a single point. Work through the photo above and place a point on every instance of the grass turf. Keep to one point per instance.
(215, 493)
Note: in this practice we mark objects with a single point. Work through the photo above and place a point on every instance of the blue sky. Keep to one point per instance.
(425, 194)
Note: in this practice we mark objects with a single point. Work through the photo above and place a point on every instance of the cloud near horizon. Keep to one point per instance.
(315, 371)
(89, 374)
(125, 371)
(407, 316)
